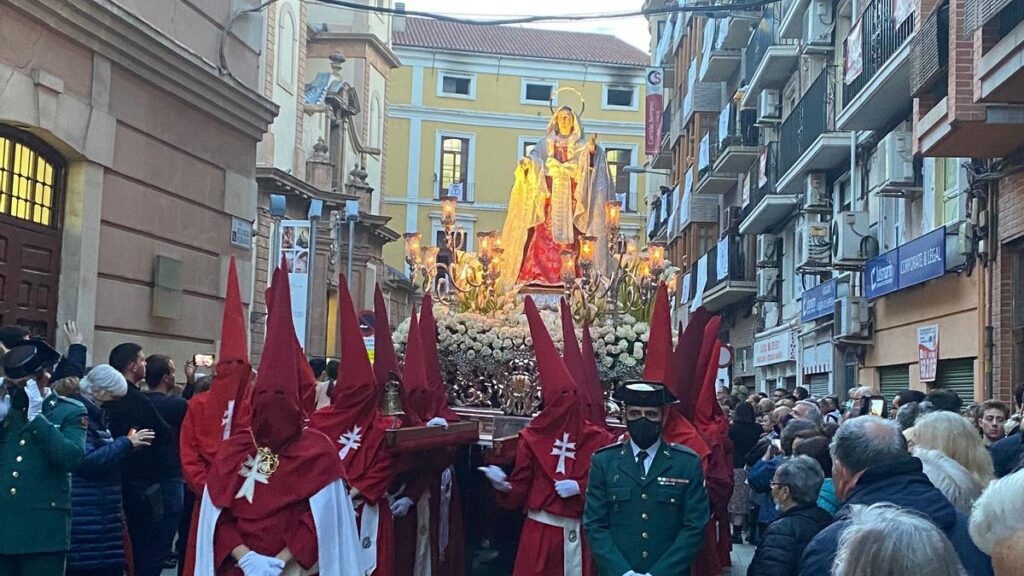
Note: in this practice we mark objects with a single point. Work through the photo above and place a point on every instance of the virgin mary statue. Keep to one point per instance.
(559, 195)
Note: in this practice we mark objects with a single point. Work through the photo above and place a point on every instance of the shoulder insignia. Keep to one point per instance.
(609, 447)
(683, 449)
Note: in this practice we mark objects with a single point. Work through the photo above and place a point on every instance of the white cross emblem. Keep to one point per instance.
(563, 449)
(350, 440)
(251, 472)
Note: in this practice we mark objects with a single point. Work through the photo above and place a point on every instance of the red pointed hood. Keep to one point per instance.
(593, 400)
(686, 384)
(707, 364)
(432, 362)
(417, 400)
(234, 345)
(277, 414)
(385, 360)
(561, 415)
(353, 419)
(570, 346)
(659, 342)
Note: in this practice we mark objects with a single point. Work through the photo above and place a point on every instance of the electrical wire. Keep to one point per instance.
(546, 18)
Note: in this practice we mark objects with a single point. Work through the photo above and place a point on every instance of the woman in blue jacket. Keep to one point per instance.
(97, 542)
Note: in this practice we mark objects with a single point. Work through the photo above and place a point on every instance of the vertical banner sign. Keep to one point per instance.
(655, 110)
(928, 352)
(853, 63)
(702, 282)
(295, 246)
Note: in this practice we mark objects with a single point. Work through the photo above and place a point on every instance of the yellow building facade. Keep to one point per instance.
(461, 114)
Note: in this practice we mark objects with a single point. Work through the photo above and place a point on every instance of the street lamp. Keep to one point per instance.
(642, 170)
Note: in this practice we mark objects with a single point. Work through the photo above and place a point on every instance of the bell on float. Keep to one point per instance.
(392, 397)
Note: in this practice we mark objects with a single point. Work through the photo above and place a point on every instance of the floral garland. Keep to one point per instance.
(473, 343)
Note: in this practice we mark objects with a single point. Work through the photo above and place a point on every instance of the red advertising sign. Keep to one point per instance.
(655, 110)
(928, 352)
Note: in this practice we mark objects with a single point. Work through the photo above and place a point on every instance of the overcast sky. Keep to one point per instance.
(632, 30)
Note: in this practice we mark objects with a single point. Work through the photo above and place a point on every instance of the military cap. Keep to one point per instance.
(643, 393)
(29, 358)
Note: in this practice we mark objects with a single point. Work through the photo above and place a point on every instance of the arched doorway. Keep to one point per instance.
(31, 201)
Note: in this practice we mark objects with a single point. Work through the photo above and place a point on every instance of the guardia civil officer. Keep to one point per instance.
(646, 504)
(42, 440)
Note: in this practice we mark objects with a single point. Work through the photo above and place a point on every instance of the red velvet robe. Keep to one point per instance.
(279, 515)
(541, 547)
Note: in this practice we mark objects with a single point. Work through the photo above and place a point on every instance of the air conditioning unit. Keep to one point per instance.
(767, 285)
(731, 218)
(892, 166)
(816, 197)
(850, 230)
(818, 26)
(852, 316)
(815, 242)
(767, 251)
(768, 106)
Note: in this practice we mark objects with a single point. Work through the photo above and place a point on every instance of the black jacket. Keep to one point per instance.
(785, 540)
(146, 465)
(744, 436)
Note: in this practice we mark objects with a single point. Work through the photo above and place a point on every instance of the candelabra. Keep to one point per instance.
(471, 277)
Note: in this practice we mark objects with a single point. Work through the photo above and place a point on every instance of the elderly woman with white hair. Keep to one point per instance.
(954, 436)
(997, 524)
(885, 539)
(956, 483)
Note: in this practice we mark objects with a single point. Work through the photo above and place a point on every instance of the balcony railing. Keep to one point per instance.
(737, 127)
(812, 117)
(737, 263)
(764, 37)
(707, 154)
(762, 176)
(1010, 17)
(929, 56)
(881, 37)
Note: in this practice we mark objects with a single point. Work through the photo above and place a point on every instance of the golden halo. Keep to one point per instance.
(583, 101)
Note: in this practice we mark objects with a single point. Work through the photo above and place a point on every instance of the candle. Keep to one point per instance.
(568, 265)
(412, 246)
(448, 204)
(587, 244)
(485, 244)
(656, 255)
(430, 258)
(611, 213)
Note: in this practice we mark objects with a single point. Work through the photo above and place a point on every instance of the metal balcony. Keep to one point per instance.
(792, 24)
(765, 207)
(708, 181)
(737, 140)
(999, 73)
(724, 39)
(731, 278)
(881, 92)
(808, 139)
(769, 59)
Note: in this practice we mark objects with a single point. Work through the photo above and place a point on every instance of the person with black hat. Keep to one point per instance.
(646, 504)
(42, 440)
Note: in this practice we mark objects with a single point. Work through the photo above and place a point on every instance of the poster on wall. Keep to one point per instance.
(295, 244)
(853, 63)
(928, 352)
(655, 110)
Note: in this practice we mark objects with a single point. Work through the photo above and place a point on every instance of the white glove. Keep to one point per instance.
(35, 400)
(400, 507)
(5, 406)
(438, 421)
(497, 477)
(567, 488)
(253, 564)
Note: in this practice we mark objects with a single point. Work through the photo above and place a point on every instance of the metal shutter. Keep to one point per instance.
(818, 386)
(893, 379)
(958, 376)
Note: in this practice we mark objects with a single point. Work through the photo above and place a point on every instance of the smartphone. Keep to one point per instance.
(777, 444)
(877, 407)
(203, 360)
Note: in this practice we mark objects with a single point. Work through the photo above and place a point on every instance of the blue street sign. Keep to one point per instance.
(881, 274)
(923, 258)
(818, 302)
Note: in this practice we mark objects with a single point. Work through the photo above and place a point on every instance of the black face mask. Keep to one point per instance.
(643, 432)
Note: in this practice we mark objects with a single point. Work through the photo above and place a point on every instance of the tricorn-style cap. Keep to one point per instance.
(29, 358)
(643, 393)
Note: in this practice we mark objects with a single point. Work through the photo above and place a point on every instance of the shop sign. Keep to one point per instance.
(774, 349)
(917, 261)
(655, 109)
(818, 302)
(928, 352)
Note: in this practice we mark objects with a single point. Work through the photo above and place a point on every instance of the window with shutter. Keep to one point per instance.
(957, 375)
(818, 386)
(893, 379)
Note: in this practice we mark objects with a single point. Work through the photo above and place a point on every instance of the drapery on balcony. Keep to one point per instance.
(881, 38)
(766, 206)
(812, 117)
(769, 59)
(737, 282)
(765, 35)
(737, 139)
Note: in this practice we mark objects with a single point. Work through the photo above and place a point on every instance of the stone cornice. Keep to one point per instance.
(374, 43)
(129, 41)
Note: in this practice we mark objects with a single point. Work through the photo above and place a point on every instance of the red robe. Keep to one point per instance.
(427, 477)
(279, 515)
(541, 551)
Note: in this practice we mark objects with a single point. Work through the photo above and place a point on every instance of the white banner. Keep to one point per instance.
(295, 245)
(702, 282)
(722, 262)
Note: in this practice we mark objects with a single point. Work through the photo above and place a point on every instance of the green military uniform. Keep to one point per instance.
(652, 525)
(36, 461)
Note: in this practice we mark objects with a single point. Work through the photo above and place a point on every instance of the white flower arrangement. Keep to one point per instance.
(471, 343)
